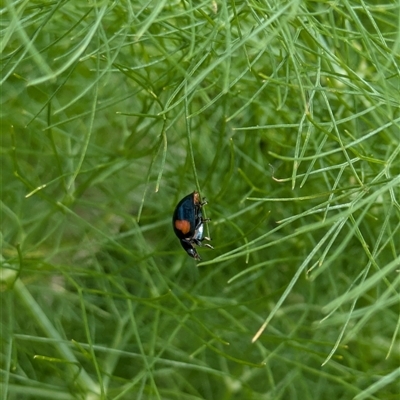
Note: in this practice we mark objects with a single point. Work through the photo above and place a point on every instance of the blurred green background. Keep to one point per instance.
(284, 115)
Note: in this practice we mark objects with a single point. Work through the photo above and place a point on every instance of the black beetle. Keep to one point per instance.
(188, 223)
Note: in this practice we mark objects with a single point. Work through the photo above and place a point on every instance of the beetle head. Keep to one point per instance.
(190, 250)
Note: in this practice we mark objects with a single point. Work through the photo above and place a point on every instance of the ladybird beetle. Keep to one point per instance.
(188, 223)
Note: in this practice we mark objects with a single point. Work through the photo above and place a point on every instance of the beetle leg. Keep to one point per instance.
(198, 242)
(204, 244)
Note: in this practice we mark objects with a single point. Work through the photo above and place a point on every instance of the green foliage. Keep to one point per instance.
(285, 115)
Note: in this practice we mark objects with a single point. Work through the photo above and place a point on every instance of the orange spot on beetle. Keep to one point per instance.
(182, 225)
